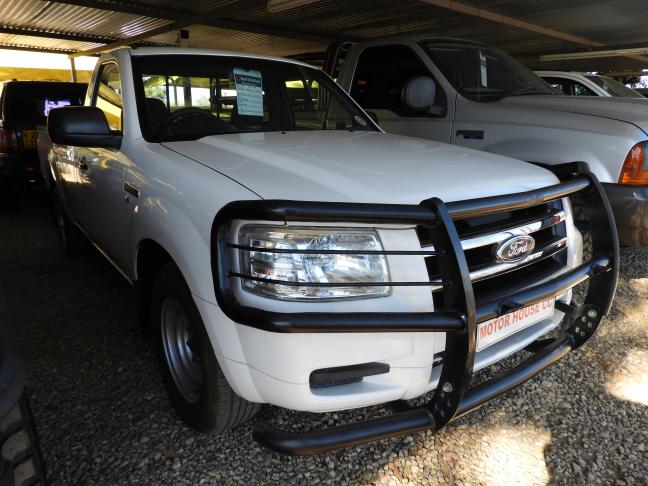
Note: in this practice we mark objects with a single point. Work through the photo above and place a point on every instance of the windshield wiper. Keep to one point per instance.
(527, 90)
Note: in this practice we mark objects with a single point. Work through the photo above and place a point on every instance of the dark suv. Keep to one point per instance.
(24, 106)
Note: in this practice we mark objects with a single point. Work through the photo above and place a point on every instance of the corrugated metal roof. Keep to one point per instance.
(618, 22)
(39, 15)
(22, 41)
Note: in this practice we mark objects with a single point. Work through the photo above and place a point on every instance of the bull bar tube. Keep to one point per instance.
(459, 315)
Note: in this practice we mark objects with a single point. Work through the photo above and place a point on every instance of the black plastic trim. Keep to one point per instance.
(630, 206)
(327, 377)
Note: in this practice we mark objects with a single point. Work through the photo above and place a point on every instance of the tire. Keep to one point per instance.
(20, 458)
(582, 222)
(195, 383)
(73, 242)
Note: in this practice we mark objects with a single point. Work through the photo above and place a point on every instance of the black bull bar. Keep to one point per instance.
(459, 316)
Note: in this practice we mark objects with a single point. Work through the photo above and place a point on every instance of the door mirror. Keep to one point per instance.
(81, 126)
(419, 93)
(374, 117)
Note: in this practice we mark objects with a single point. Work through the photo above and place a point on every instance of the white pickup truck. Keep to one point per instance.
(572, 83)
(287, 251)
(470, 94)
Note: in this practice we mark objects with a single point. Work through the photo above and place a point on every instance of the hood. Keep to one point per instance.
(631, 110)
(368, 167)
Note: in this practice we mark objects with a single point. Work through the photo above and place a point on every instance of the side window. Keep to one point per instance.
(558, 84)
(108, 95)
(579, 89)
(314, 108)
(381, 74)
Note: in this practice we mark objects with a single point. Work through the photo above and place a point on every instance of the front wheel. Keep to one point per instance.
(195, 383)
(582, 223)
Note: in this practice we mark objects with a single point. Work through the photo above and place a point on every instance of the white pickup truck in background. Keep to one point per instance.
(287, 251)
(470, 94)
(572, 83)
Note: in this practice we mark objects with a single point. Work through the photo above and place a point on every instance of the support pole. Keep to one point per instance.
(73, 70)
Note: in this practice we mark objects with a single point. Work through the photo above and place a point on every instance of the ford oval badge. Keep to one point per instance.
(515, 249)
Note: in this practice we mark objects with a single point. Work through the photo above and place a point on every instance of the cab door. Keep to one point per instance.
(102, 209)
(380, 76)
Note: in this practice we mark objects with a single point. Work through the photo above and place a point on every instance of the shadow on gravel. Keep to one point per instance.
(103, 416)
(601, 407)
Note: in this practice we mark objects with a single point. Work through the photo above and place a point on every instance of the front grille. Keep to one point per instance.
(481, 236)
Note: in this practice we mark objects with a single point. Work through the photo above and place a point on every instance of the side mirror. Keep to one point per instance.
(374, 117)
(81, 126)
(419, 93)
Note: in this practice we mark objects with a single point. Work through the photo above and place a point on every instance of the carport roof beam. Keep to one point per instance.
(48, 34)
(19, 47)
(595, 54)
(520, 24)
(128, 7)
(511, 21)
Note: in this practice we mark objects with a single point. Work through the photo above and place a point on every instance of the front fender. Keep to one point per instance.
(556, 152)
(188, 245)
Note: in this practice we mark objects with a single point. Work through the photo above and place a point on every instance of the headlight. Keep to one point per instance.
(313, 267)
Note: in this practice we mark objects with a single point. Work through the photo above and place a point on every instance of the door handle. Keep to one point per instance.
(131, 189)
(471, 134)
(82, 164)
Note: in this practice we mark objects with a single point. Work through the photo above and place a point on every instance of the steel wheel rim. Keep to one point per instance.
(181, 359)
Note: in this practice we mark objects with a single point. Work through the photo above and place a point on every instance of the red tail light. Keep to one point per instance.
(8, 140)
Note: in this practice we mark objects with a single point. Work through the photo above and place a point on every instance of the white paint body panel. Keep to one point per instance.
(535, 128)
(183, 185)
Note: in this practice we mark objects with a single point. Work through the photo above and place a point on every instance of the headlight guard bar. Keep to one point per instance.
(459, 315)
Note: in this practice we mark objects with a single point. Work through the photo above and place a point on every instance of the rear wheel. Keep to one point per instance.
(72, 240)
(195, 383)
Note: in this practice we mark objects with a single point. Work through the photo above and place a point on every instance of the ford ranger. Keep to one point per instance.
(470, 94)
(287, 251)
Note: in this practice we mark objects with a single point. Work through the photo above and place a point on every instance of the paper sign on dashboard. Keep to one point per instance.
(249, 92)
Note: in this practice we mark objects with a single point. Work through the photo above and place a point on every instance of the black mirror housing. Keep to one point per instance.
(81, 126)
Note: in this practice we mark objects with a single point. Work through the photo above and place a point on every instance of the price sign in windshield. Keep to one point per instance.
(249, 92)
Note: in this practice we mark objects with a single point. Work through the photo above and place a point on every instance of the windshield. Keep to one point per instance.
(484, 73)
(613, 87)
(189, 97)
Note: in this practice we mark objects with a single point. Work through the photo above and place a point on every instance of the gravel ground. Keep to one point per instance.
(103, 417)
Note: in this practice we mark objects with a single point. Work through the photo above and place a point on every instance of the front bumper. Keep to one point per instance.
(630, 207)
(458, 317)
